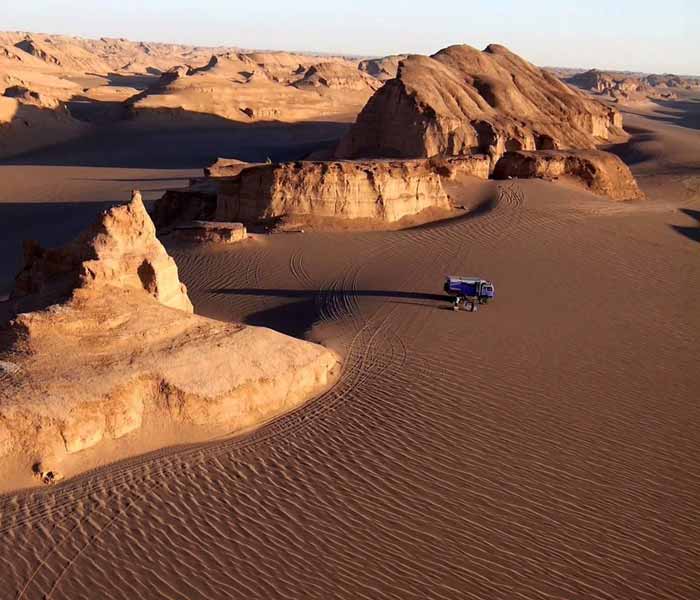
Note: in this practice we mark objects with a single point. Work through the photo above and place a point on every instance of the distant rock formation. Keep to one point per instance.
(251, 87)
(462, 101)
(59, 53)
(382, 68)
(380, 190)
(336, 76)
(32, 121)
(28, 96)
(118, 351)
(625, 88)
(601, 172)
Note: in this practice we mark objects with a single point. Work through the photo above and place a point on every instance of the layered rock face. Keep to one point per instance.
(450, 167)
(462, 101)
(382, 190)
(601, 172)
(117, 356)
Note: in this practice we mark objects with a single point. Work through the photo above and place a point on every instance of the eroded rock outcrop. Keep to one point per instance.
(462, 101)
(120, 250)
(625, 88)
(258, 87)
(601, 172)
(176, 207)
(121, 353)
(226, 167)
(382, 68)
(473, 165)
(28, 96)
(334, 75)
(217, 232)
(379, 190)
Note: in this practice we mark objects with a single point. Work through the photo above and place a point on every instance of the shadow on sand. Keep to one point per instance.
(629, 151)
(297, 318)
(179, 140)
(692, 233)
(684, 113)
(49, 223)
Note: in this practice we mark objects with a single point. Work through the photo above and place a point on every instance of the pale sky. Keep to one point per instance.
(643, 35)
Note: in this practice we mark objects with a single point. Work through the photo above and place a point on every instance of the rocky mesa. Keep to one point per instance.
(384, 191)
(463, 101)
(110, 347)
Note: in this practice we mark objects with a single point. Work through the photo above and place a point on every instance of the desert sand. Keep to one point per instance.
(544, 447)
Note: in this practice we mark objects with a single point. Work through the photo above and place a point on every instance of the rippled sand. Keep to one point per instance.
(545, 447)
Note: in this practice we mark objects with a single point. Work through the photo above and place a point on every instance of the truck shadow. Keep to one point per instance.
(286, 293)
(297, 318)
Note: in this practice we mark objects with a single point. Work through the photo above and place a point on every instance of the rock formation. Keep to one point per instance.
(625, 88)
(382, 68)
(120, 250)
(31, 97)
(226, 167)
(337, 76)
(462, 101)
(32, 121)
(601, 172)
(176, 207)
(217, 232)
(450, 167)
(383, 191)
(121, 353)
(259, 87)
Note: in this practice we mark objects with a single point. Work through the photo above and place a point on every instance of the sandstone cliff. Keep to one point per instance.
(382, 190)
(462, 101)
(601, 172)
(113, 357)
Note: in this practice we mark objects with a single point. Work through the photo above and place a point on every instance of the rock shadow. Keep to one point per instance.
(692, 233)
(49, 223)
(115, 137)
(684, 113)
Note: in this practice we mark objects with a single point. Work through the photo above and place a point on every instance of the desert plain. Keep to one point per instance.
(316, 421)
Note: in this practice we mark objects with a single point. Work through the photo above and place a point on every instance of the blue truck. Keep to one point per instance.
(469, 291)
